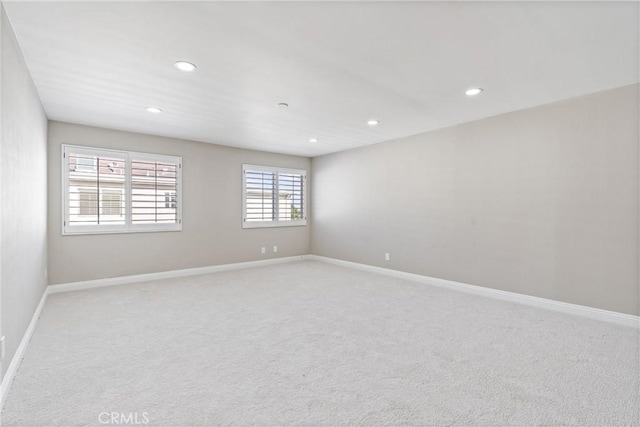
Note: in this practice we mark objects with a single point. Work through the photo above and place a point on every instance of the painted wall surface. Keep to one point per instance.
(542, 202)
(212, 232)
(23, 170)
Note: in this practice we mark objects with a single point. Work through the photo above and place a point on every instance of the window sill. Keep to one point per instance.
(273, 224)
(84, 232)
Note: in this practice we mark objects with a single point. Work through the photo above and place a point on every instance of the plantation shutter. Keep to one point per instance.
(152, 182)
(113, 191)
(95, 188)
(260, 195)
(291, 197)
(273, 196)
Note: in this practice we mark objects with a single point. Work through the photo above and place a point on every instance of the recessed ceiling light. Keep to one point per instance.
(283, 105)
(373, 122)
(314, 140)
(154, 110)
(184, 66)
(473, 91)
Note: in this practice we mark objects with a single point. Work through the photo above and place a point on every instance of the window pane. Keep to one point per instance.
(96, 189)
(88, 202)
(290, 196)
(154, 192)
(112, 203)
(260, 195)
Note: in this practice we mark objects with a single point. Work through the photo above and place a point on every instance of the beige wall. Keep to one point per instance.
(542, 202)
(23, 179)
(212, 230)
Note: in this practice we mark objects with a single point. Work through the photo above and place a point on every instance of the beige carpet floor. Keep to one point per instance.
(307, 343)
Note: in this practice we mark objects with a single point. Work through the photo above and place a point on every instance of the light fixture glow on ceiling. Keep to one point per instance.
(373, 122)
(473, 91)
(184, 66)
(313, 140)
(154, 110)
(283, 105)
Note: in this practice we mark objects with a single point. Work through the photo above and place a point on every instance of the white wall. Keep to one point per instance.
(23, 178)
(212, 230)
(542, 202)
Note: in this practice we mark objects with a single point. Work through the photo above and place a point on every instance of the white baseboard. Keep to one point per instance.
(564, 307)
(7, 380)
(99, 283)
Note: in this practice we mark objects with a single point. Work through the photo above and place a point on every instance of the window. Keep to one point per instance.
(170, 200)
(273, 197)
(85, 164)
(88, 202)
(112, 203)
(109, 191)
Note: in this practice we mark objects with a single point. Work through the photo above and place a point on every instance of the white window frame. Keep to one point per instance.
(127, 227)
(276, 208)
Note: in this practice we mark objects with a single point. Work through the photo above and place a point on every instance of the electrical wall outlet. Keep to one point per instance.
(387, 257)
(263, 250)
(275, 249)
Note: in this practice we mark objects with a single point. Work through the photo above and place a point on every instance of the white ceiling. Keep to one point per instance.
(336, 64)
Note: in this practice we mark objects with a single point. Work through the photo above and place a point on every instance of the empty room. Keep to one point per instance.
(316, 213)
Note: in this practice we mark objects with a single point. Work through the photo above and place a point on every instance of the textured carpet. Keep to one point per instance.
(308, 343)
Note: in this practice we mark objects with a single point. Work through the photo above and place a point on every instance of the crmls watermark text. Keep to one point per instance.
(124, 418)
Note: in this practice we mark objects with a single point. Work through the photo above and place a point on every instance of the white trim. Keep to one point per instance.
(564, 307)
(7, 380)
(113, 281)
